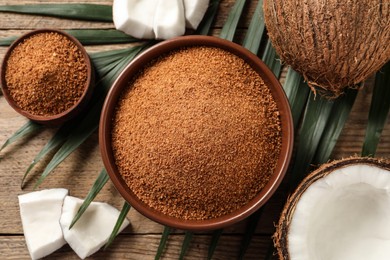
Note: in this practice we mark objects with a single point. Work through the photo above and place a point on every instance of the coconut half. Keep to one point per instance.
(340, 211)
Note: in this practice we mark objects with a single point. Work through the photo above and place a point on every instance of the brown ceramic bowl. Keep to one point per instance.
(123, 81)
(57, 119)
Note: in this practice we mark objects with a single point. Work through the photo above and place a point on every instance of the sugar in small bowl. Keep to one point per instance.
(47, 76)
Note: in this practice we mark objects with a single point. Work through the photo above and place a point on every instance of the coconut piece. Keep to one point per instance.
(169, 19)
(134, 17)
(40, 212)
(92, 230)
(194, 11)
(341, 211)
(149, 19)
(334, 44)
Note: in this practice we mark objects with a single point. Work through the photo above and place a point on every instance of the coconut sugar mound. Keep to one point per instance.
(197, 133)
(46, 74)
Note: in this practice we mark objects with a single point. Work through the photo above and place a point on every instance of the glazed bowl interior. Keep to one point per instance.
(57, 119)
(123, 81)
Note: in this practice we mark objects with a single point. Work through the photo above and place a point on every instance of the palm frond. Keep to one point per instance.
(379, 109)
(89, 12)
(229, 28)
(121, 218)
(314, 120)
(163, 242)
(28, 128)
(106, 61)
(96, 187)
(186, 244)
(250, 229)
(58, 139)
(271, 58)
(297, 93)
(340, 112)
(101, 36)
(256, 30)
(213, 243)
(88, 37)
(7, 41)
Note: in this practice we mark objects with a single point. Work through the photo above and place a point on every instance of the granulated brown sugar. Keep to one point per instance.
(197, 134)
(46, 74)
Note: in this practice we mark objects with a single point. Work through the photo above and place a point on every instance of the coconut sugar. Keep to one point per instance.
(197, 133)
(46, 74)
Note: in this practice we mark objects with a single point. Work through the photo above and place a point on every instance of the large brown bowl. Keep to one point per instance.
(58, 119)
(123, 81)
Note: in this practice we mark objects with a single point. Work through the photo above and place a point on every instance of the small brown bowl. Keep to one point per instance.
(57, 119)
(122, 82)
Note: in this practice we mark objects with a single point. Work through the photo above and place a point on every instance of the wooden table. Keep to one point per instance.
(78, 172)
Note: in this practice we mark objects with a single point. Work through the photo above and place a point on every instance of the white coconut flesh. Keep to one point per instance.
(157, 19)
(40, 212)
(344, 215)
(46, 217)
(134, 17)
(194, 11)
(94, 227)
(169, 19)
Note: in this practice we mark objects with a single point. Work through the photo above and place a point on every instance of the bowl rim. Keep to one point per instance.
(70, 113)
(138, 64)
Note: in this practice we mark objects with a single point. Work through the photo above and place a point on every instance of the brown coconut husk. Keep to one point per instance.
(333, 44)
(281, 235)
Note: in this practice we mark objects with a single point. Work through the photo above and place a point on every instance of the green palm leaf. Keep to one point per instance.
(163, 242)
(89, 37)
(58, 139)
(7, 41)
(271, 58)
(250, 229)
(186, 244)
(89, 12)
(340, 112)
(379, 110)
(314, 120)
(229, 28)
(213, 243)
(96, 187)
(106, 61)
(297, 93)
(101, 36)
(28, 128)
(122, 216)
(256, 30)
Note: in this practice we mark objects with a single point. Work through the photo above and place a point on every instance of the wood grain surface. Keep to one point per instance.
(80, 169)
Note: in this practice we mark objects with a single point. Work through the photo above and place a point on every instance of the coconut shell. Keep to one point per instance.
(281, 235)
(333, 44)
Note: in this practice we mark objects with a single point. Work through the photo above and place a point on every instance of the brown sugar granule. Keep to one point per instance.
(197, 133)
(46, 74)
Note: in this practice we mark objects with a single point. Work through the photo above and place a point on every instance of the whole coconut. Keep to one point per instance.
(334, 44)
